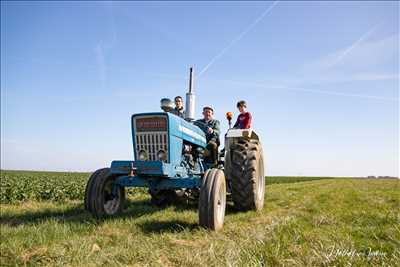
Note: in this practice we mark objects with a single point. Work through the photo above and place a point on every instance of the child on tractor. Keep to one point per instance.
(244, 119)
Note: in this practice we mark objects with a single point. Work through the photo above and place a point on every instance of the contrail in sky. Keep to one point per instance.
(237, 38)
(354, 45)
(326, 92)
(284, 88)
(342, 94)
(101, 63)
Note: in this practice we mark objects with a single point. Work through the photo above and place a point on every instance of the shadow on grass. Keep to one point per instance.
(31, 217)
(171, 226)
(176, 226)
(193, 205)
(75, 214)
(133, 209)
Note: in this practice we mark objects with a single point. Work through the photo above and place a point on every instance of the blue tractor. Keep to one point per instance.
(171, 160)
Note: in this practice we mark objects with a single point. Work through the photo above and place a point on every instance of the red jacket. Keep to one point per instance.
(243, 121)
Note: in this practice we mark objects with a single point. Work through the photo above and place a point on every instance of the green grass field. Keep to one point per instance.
(332, 222)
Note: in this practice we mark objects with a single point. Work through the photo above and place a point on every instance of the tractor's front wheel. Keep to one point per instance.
(100, 200)
(212, 201)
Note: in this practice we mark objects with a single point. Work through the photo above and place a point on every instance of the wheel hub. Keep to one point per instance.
(111, 201)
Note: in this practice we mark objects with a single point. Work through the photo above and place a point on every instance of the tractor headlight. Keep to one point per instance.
(142, 155)
(161, 155)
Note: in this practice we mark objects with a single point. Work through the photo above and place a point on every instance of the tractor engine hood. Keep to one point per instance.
(177, 127)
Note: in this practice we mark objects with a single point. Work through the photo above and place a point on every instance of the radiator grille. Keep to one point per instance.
(151, 142)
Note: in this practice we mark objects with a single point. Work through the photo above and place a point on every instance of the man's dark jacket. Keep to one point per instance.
(179, 112)
(214, 124)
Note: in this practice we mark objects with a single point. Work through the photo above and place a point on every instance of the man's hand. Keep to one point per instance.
(210, 130)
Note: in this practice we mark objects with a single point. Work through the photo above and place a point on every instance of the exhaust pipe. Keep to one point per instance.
(190, 99)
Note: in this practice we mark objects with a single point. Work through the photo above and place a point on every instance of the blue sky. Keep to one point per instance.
(321, 79)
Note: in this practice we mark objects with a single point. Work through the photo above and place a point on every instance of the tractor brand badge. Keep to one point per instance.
(151, 124)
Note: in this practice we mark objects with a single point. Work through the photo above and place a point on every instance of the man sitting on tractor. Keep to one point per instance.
(210, 127)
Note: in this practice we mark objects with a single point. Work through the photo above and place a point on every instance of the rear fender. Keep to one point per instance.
(242, 133)
(233, 135)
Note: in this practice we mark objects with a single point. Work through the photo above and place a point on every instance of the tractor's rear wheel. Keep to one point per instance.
(99, 198)
(247, 175)
(212, 201)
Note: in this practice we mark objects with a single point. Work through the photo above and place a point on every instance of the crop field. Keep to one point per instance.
(306, 221)
(17, 186)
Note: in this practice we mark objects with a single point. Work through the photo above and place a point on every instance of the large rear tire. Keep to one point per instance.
(247, 175)
(212, 201)
(99, 199)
